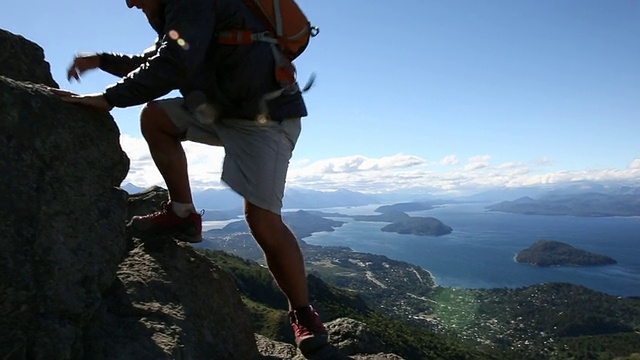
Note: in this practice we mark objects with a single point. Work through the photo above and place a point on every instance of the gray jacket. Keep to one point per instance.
(187, 57)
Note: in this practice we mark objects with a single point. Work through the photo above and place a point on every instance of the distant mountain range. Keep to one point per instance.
(578, 187)
(587, 204)
(226, 199)
(577, 199)
(310, 199)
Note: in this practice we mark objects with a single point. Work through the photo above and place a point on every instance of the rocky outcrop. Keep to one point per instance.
(62, 230)
(353, 337)
(23, 60)
(350, 339)
(74, 283)
(169, 302)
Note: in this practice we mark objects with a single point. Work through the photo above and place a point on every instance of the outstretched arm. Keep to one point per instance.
(115, 64)
(120, 64)
(182, 50)
(82, 63)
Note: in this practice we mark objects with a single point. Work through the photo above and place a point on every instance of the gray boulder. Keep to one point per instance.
(349, 340)
(23, 60)
(62, 217)
(169, 302)
(354, 337)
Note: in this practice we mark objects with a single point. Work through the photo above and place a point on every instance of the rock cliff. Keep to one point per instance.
(74, 284)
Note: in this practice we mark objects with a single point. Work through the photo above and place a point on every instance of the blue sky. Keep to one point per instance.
(440, 96)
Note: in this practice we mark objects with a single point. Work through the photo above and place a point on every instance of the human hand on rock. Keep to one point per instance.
(96, 101)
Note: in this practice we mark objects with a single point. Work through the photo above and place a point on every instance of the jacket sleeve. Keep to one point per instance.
(120, 64)
(188, 31)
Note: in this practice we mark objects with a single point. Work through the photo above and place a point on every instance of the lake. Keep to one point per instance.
(480, 251)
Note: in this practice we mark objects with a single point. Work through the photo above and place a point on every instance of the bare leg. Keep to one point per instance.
(166, 150)
(282, 253)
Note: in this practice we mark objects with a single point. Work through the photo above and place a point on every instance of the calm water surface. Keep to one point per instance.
(480, 251)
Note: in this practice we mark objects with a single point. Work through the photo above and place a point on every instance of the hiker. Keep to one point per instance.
(230, 98)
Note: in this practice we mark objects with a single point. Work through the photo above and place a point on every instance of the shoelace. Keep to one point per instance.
(164, 208)
(301, 330)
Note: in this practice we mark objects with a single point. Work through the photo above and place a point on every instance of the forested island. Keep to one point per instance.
(422, 226)
(555, 253)
(402, 223)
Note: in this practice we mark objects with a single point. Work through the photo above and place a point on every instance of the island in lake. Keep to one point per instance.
(555, 253)
(423, 226)
(402, 223)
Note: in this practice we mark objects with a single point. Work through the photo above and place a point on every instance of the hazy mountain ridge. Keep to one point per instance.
(408, 206)
(613, 197)
(569, 188)
(584, 204)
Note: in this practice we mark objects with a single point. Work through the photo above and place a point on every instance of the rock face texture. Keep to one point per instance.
(169, 302)
(74, 283)
(23, 60)
(62, 220)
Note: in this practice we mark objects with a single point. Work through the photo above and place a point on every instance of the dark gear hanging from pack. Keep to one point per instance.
(287, 30)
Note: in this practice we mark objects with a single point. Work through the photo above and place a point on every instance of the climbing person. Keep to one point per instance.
(236, 94)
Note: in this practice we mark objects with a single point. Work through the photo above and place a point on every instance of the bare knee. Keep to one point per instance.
(154, 120)
(148, 114)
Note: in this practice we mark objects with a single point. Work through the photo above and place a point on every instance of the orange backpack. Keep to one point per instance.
(288, 30)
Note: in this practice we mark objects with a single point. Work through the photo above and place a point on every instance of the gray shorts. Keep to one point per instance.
(256, 154)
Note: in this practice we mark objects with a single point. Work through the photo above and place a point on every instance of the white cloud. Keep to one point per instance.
(477, 162)
(510, 165)
(476, 175)
(543, 161)
(204, 164)
(373, 175)
(449, 160)
(359, 163)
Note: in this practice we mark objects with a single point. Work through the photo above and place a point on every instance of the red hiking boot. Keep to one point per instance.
(308, 330)
(167, 222)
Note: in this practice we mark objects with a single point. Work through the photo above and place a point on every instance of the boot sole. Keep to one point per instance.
(178, 234)
(312, 343)
(186, 238)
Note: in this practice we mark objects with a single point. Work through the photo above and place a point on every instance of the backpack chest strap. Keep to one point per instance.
(244, 37)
